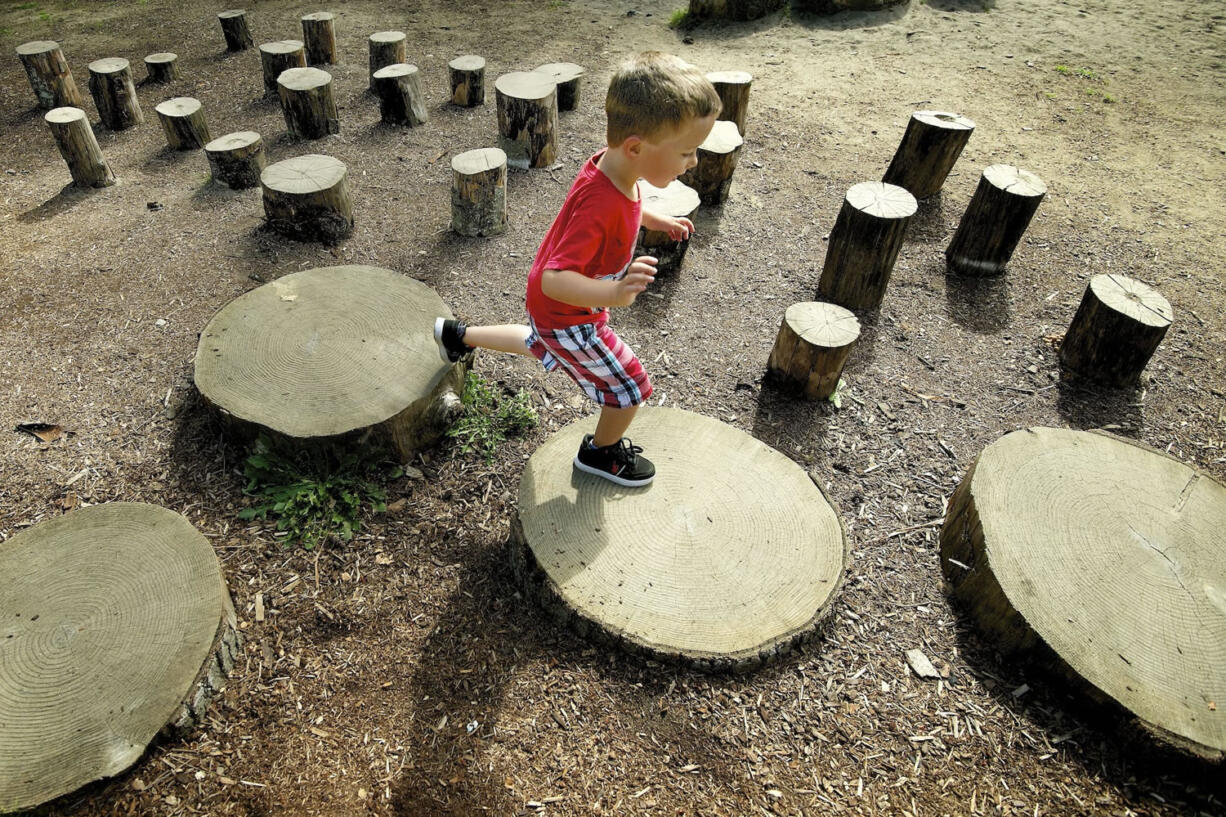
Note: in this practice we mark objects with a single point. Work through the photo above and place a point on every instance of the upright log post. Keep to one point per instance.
(307, 102)
(110, 84)
(50, 77)
(77, 144)
(931, 145)
(479, 192)
(567, 76)
(1116, 330)
(527, 118)
(678, 200)
(162, 67)
(864, 244)
(717, 158)
(401, 99)
(812, 346)
(319, 38)
(234, 29)
(733, 90)
(995, 220)
(236, 160)
(386, 48)
(467, 74)
(307, 198)
(279, 56)
(183, 123)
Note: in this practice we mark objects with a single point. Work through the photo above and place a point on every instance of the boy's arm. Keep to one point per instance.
(677, 228)
(576, 289)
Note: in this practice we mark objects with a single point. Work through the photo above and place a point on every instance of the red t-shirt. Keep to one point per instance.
(594, 235)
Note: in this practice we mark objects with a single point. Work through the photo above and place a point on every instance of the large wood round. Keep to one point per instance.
(115, 621)
(1110, 554)
(729, 558)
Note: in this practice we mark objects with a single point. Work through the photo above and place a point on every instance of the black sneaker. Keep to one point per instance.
(618, 463)
(449, 335)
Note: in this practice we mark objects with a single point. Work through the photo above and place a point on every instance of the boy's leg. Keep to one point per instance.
(612, 425)
(510, 338)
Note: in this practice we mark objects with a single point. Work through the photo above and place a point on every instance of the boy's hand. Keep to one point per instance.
(679, 228)
(642, 272)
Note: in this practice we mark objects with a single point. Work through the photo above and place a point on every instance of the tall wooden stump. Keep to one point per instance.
(733, 90)
(567, 76)
(183, 123)
(117, 625)
(277, 57)
(77, 144)
(306, 101)
(50, 77)
(307, 198)
(479, 192)
(467, 75)
(234, 29)
(527, 118)
(401, 99)
(995, 220)
(864, 244)
(110, 84)
(319, 38)
(236, 159)
(678, 200)
(717, 157)
(386, 48)
(162, 67)
(1105, 557)
(813, 344)
(734, 9)
(699, 567)
(932, 144)
(332, 354)
(1116, 330)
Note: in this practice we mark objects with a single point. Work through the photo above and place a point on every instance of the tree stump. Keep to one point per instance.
(162, 67)
(700, 567)
(117, 624)
(319, 38)
(717, 157)
(864, 244)
(236, 159)
(306, 101)
(567, 76)
(678, 200)
(234, 29)
(307, 198)
(1105, 557)
(110, 84)
(332, 354)
(733, 90)
(812, 346)
(734, 9)
(401, 99)
(50, 77)
(183, 123)
(832, 6)
(931, 145)
(479, 192)
(1116, 330)
(527, 118)
(277, 57)
(994, 221)
(77, 144)
(467, 76)
(386, 48)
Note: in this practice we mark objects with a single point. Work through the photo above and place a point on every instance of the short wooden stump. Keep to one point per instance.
(401, 98)
(49, 74)
(307, 197)
(79, 147)
(386, 48)
(307, 103)
(812, 346)
(1116, 330)
(183, 122)
(726, 561)
(864, 244)
(479, 192)
(678, 200)
(236, 159)
(114, 93)
(717, 157)
(467, 78)
(929, 148)
(234, 29)
(162, 67)
(527, 118)
(567, 75)
(279, 56)
(733, 89)
(319, 37)
(995, 220)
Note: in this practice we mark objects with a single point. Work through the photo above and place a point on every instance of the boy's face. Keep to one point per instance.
(671, 152)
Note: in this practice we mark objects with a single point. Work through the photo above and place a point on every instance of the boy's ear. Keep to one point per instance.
(632, 146)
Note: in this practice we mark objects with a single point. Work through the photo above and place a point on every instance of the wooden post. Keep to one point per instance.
(386, 48)
(401, 100)
(733, 90)
(527, 118)
(280, 56)
(864, 244)
(307, 198)
(306, 101)
(734, 9)
(717, 157)
(995, 220)
(678, 200)
(77, 144)
(1116, 330)
(162, 67)
(236, 159)
(234, 29)
(319, 38)
(110, 84)
(50, 77)
(812, 346)
(183, 123)
(479, 192)
(467, 80)
(931, 145)
(567, 76)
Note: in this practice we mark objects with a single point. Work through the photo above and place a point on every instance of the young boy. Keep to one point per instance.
(659, 109)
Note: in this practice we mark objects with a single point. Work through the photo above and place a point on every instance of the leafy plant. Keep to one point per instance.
(489, 417)
(678, 18)
(836, 396)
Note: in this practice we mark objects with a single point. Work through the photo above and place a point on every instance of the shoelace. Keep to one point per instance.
(627, 452)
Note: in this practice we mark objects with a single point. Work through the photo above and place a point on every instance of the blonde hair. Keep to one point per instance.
(654, 91)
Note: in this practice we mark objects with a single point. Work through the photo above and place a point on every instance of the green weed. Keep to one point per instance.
(24, 6)
(678, 18)
(836, 396)
(489, 418)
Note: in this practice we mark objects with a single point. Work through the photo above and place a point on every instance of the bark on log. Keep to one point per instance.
(1116, 330)
(110, 84)
(931, 145)
(50, 77)
(162, 67)
(864, 244)
(678, 200)
(307, 198)
(527, 118)
(307, 102)
(234, 29)
(183, 123)
(813, 344)
(386, 48)
(236, 159)
(401, 99)
(319, 38)
(277, 57)
(467, 75)
(479, 192)
(995, 220)
(734, 9)
(77, 144)
(717, 158)
(733, 90)
(833, 6)
(567, 76)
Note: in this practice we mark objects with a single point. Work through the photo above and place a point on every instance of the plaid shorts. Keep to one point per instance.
(604, 367)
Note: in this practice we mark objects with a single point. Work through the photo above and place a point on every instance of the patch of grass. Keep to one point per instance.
(24, 6)
(836, 396)
(44, 16)
(490, 418)
(678, 18)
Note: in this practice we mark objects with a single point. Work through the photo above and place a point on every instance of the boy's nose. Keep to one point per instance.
(691, 162)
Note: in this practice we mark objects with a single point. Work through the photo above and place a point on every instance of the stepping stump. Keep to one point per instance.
(386, 48)
(331, 355)
(183, 123)
(527, 118)
(116, 624)
(726, 561)
(864, 244)
(277, 57)
(79, 147)
(467, 75)
(994, 221)
(678, 200)
(110, 84)
(734, 9)
(162, 67)
(566, 75)
(306, 101)
(1105, 557)
(812, 346)
(307, 198)
(234, 29)
(717, 157)
(401, 99)
(50, 77)
(479, 192)
(931, 145)
(733, 90)
(1116, 330)
(236, 159)
(319, 38)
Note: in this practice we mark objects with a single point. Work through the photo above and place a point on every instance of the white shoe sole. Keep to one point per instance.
(629, 483)
(438, 338)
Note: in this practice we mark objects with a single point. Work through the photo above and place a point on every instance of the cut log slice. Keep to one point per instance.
(931, 145)
(992, 226)
(733, 90)
(567, 76)
(401, 98)
(1106, 555)
(162, 67)
(386, 48)
(717, 158)
(728, 559)
(50, 77)
(234, 29)
(467, 80)
(236, 159)
(116, 624)
(110, 84)
(1116, 330)
(319, 37)
(183, 123)
(527, 118)
(812, 346)
(329, 353)
(280, 56)
(79, 147)
(307, 197)
(678, 200)
(864, 244)
(479, 192)
(307, 102)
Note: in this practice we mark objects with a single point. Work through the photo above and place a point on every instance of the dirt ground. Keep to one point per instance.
(403, 674)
